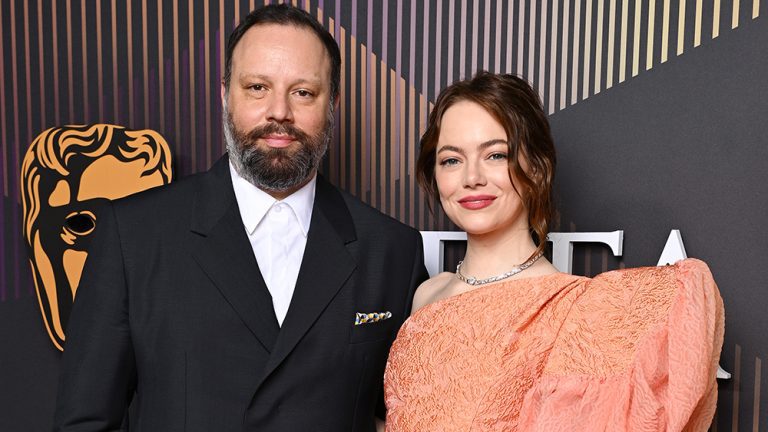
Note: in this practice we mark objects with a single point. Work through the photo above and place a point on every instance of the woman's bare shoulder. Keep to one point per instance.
(431, 290)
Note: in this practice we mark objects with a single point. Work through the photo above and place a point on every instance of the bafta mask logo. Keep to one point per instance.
(67, 175)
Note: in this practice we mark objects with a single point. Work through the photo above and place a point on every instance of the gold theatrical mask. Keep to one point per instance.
(68, 173)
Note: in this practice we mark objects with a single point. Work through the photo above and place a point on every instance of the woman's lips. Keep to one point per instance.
(476, 202)
(278, 141)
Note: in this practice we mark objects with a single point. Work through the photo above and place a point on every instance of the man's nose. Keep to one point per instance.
(279, 109)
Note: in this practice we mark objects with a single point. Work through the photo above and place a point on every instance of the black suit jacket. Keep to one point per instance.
(173, 317)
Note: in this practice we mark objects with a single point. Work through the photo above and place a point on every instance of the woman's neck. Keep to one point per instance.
(494, 253)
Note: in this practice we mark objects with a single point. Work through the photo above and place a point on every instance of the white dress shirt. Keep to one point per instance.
(277, 231)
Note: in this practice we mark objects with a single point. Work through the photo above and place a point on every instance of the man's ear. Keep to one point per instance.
(223, 93)
(336, 103)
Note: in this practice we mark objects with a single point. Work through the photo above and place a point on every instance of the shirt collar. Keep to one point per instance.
(254, 203)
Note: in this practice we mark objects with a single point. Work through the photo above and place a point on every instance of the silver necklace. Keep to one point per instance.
(515, 270)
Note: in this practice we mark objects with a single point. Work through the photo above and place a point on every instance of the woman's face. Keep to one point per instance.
(472, 174)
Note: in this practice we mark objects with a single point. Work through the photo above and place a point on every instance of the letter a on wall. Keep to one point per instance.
(67, 174)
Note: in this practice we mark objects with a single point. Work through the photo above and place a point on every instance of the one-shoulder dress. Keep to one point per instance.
(628, 350)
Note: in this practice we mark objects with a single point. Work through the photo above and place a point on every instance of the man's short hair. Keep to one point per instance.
(284, 14)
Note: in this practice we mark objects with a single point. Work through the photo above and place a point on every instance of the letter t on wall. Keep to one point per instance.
(562, 245)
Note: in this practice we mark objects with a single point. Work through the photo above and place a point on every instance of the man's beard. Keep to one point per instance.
(275, 169)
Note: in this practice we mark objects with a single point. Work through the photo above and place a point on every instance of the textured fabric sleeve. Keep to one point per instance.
(638, 352)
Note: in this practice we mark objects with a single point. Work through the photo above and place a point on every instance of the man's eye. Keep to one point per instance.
(256, 87)
(304, 93)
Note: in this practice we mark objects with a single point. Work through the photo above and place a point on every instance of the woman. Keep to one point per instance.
(497, 346)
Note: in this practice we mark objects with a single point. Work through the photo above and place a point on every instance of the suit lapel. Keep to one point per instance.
(221, 248)
(325, 268)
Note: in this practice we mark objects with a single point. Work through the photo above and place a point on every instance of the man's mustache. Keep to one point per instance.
(259, 132)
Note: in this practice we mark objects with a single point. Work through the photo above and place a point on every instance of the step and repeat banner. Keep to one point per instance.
(658, 109)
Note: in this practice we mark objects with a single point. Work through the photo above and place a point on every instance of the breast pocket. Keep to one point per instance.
(374, 331)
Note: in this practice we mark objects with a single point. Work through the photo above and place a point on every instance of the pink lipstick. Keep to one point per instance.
(476, 202)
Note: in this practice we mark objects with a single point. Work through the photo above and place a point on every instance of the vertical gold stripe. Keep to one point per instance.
(145, 60)
(497, 58)
(27, 66)
(543, 50)
(587, 50)
(520, 35)
(412, 155)
(70, 77)
(393, 142)
(382, 174)
(564, 62)
(206, 97)
(54, 31)
(176, 81)
(3, 128)
(86, 81)
(366, 127)
(15, 75)
(462, 41)
(623, 42)
(222, 48)
(129, 25)
(576, 56)
(115, 93)
(403, 150)
(41, 66)
(716, 20)
(370, 164)
(736, 389)
(553, 57)
(421, 223)
(735, 14)
(697, 25)
(352, 112)
(237, 17)
(319, 18)
(486, 35)
(755, 8)
(99, 62)
(636, 39)
(611, 44)
(665, 33)
(510, 29)
(681, 27)
(341, 170)
(599, 46)
(651, 34)
(531, 39)
(432, 223)
(756, 397)
(161, 64)
(331, 29)
(192, 124)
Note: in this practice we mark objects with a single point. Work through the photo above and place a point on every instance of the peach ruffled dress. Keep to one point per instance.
(629, 350)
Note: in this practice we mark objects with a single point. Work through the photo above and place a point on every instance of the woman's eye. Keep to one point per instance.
(449, 162)
(497, 156)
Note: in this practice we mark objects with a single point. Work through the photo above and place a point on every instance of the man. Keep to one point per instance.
(255, 296)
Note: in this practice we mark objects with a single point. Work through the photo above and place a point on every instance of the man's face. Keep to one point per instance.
(68, 218)
(278, 111)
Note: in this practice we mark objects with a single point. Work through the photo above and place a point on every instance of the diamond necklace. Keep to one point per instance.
(515, 270)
